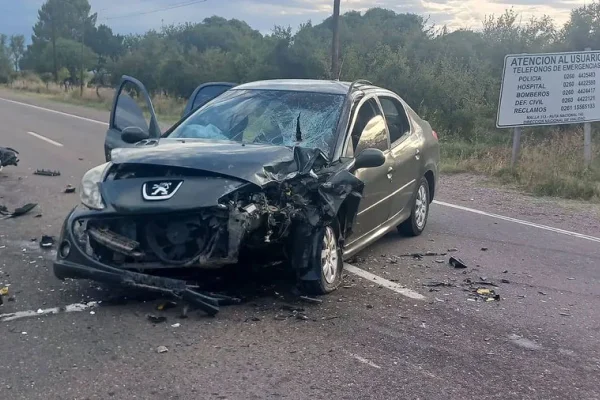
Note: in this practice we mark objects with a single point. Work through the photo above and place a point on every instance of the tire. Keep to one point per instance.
(327, 260)
(415, 225)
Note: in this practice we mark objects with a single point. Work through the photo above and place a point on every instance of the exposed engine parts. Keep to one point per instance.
(294, 200)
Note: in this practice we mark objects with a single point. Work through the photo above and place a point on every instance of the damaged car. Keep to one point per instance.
(307, 172)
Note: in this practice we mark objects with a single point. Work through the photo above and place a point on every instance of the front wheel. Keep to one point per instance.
(326, 261)
(415, 225)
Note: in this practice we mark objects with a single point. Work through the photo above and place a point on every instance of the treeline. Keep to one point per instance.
(451, 77)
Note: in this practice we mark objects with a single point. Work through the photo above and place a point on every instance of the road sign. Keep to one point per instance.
(550, 89)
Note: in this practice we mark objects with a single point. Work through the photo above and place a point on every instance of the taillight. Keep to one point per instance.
(434, 134)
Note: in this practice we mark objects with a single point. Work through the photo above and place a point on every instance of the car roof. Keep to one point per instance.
(306, 85)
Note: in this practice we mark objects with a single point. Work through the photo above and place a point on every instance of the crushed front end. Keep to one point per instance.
(157, 219)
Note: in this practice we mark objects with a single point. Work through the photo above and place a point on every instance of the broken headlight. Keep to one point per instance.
(90, 191)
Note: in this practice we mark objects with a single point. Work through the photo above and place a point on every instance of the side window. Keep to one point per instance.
(395, 116)
(369, 131)
(131, 108)
(208, 93)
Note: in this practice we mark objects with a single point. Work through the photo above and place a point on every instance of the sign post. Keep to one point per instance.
(550, 89)
(516, 146)
(587, 140)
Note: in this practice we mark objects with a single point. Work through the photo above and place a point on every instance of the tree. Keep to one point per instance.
(67, 19)
(17, 49)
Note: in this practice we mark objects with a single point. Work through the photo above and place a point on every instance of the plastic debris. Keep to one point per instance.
(161, 349)
(8, 157)
(177, 325)
(156, 319)
(70, 189)
(311, 300)
(457, 263)
(46, 242)
(166, 305)
(437, 284)
(18, 212)
(487, 294)
(3, 292)
(46, 172)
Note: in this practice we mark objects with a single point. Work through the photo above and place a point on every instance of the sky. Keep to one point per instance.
(18, 16)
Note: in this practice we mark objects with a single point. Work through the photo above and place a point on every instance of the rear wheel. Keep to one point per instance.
(415, 225)
(327, 260)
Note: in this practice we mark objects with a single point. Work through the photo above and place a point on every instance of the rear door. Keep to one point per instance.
(405, 149)
(205, 93)
(132, 107)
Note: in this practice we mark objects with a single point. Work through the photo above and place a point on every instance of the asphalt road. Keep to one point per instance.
(365, 341)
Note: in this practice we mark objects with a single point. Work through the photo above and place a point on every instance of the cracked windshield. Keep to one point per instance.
(275, 117)
(300, 199)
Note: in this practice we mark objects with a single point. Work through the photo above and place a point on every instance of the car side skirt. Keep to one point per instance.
(376, 233)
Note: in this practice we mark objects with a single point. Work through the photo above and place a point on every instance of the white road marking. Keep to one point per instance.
(55, 112)
(77, 307)
(519, 221)
(363, 360)
(383, 282)
(45, 139)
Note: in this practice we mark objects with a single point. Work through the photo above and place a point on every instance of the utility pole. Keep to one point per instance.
(82, 61)
(53, 20)
(335, 46)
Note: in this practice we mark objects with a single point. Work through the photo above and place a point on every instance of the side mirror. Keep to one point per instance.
(134, 134)
(370, 158)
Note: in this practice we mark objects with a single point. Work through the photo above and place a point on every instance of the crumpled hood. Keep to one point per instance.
(244, 162)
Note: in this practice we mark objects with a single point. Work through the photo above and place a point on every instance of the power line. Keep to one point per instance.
(171, 7)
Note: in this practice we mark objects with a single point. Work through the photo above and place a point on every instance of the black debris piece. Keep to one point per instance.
(457, 263)
(70, 189)
(46, 172)
(18, 212)
(452, 250)
(484, 249)
(39, 216)
(437, 284)
(8, 157)
(505, 281)
(311, 300)
(156, 319)
(46, 242)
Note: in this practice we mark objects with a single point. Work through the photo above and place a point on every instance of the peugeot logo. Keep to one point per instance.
(160, 190)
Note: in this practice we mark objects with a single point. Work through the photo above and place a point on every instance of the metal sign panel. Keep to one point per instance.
(549, 89)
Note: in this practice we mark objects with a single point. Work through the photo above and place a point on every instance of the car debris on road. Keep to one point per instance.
(18, 211)
(8, 156)
(457, 263)
(46, 172)
(47, 242)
